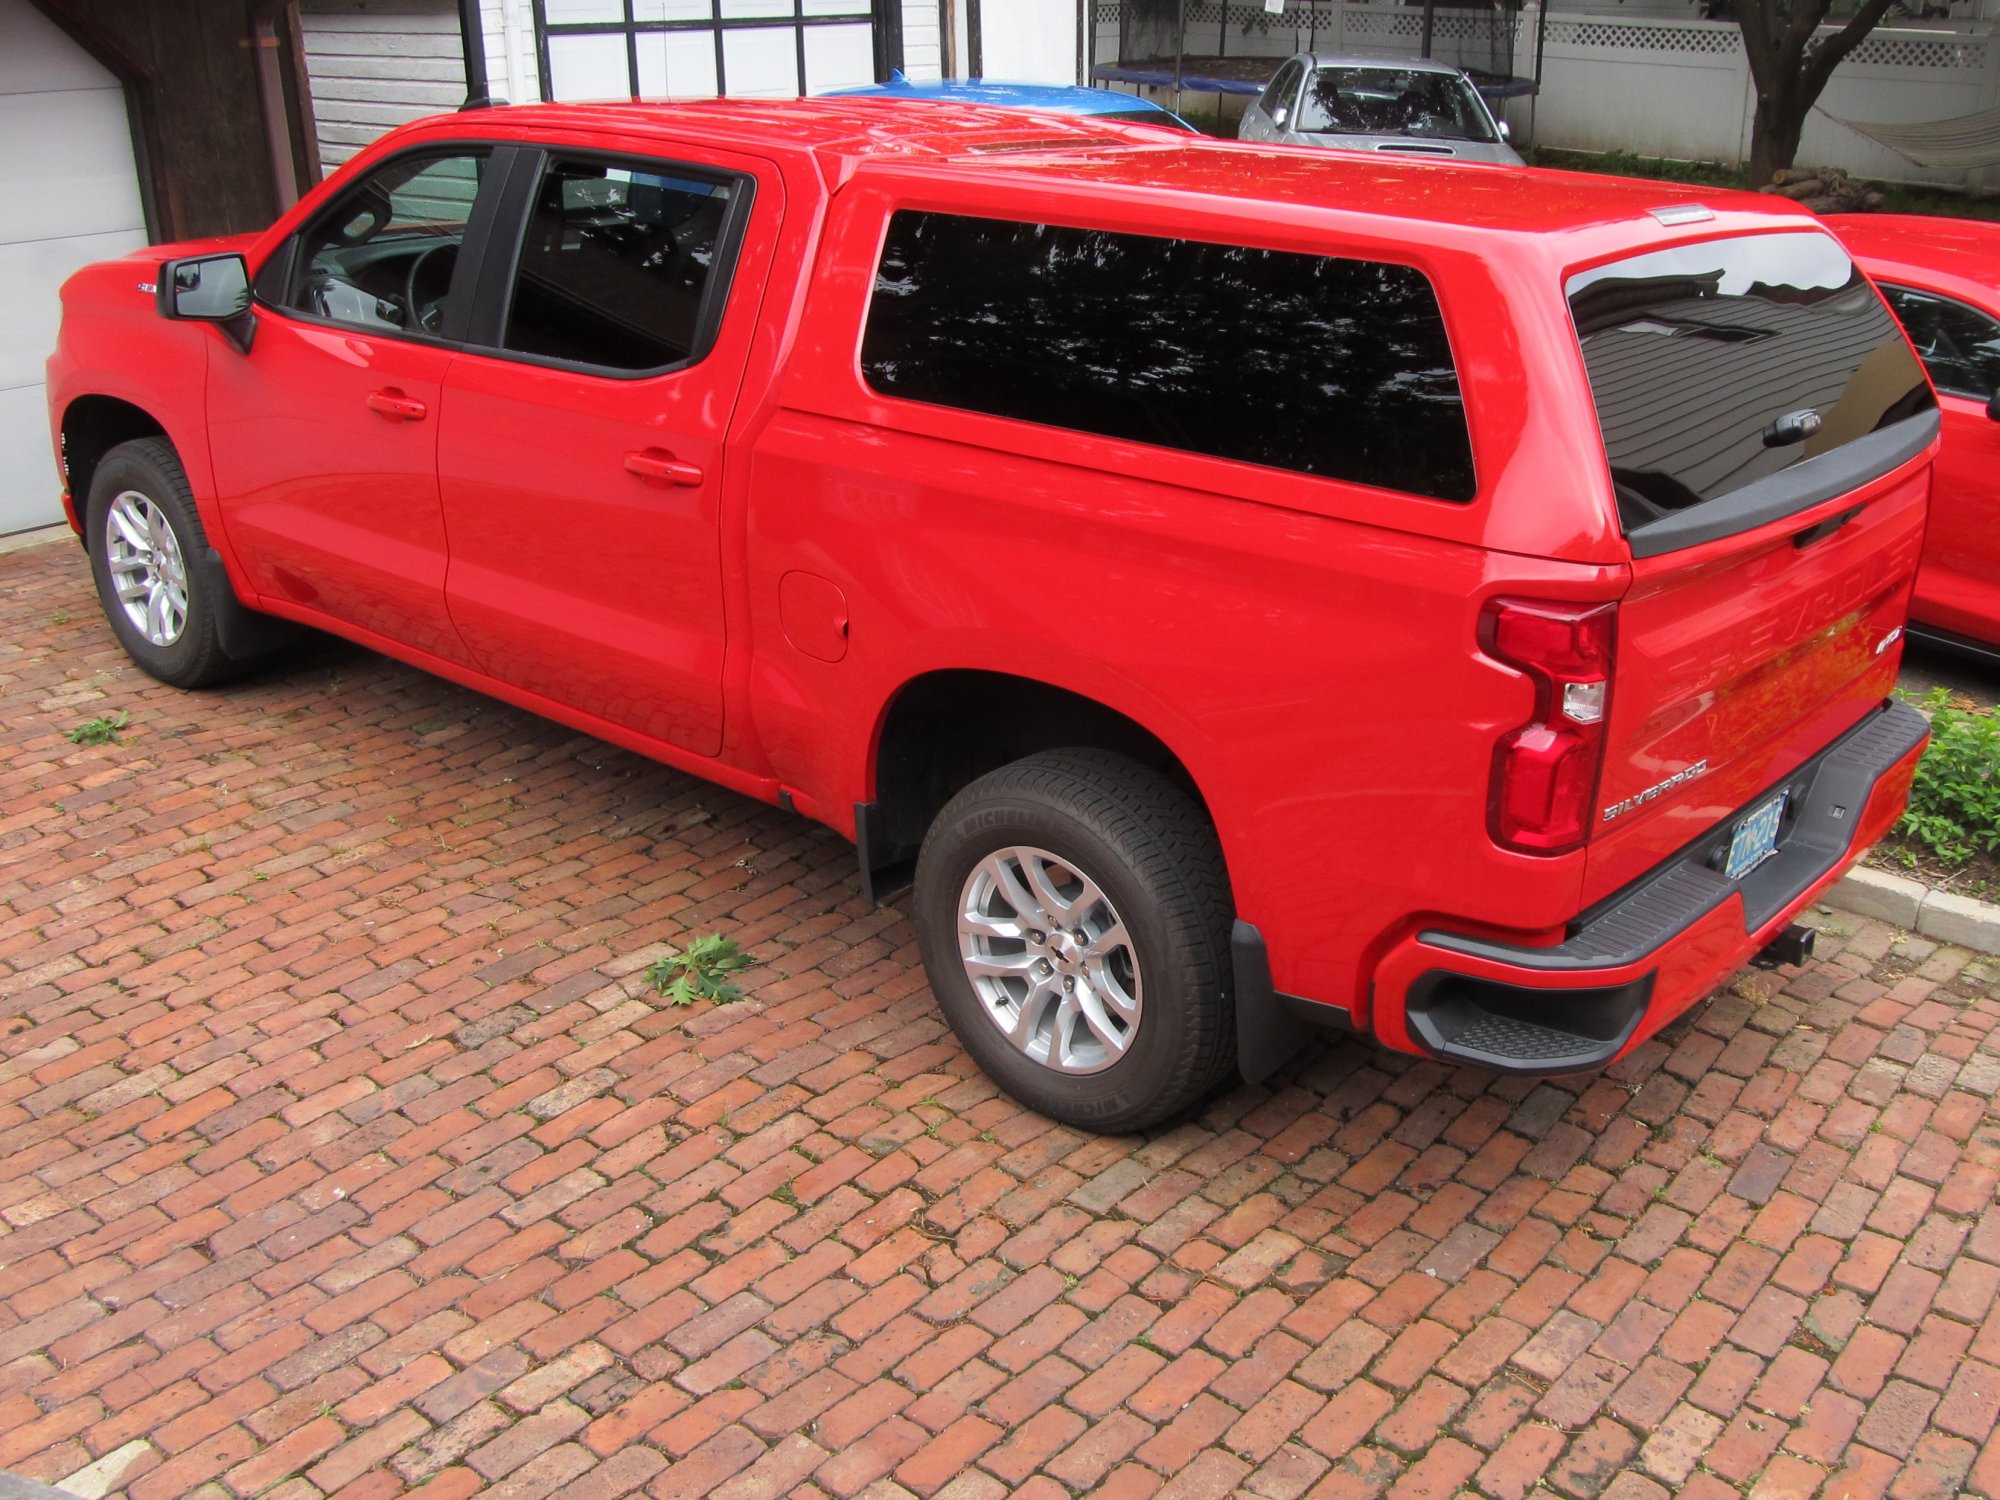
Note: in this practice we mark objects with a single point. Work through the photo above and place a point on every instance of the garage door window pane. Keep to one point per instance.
(676, 64)
(839, 57)
(1339, 368)
(593, 65)
(618, 264)
(761, 62)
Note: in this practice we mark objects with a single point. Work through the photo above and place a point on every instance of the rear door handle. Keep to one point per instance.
(1815, 534)
(661, 466)
(393, 404)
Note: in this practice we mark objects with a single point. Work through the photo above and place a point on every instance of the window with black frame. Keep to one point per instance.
(1958, 344)
(1322, 365)
(382, 257)
(1717, 365)
(619, 263)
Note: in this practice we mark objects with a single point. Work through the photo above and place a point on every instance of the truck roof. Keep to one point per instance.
(1961, 253)
(856, 135)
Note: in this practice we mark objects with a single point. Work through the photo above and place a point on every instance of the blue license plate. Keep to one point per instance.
(1756, 838)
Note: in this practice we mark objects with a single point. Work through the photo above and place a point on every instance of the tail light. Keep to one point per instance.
(1545, 773)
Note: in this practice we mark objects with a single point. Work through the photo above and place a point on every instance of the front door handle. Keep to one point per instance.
(394, 405)
(659, 465)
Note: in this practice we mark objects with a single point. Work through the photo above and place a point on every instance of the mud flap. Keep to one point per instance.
(242, 632)
(1271, 1029)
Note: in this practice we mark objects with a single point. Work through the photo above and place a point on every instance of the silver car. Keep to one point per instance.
(1405, 105)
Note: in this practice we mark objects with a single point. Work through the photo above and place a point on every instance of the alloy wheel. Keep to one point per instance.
(147, 568)
(1050, 960)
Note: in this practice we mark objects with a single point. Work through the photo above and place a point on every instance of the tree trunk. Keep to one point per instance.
(1790, 72)
(1774, 134)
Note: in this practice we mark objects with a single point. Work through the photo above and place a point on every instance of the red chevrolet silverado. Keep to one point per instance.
(1241, 587)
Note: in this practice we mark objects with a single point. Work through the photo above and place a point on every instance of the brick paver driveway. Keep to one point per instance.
(344, 1149)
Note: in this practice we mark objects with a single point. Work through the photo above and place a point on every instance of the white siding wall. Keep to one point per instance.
(923, 49)
(510, 50)
(376, 64)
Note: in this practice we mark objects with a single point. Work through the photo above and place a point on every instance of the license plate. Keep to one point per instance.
(1756, 838)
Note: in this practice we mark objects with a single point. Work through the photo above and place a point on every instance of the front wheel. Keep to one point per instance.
(1074, 919)
(146, 545)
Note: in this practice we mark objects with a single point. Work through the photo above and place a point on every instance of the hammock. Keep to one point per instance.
(1960, 142)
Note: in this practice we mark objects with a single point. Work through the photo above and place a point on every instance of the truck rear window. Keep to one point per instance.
(1718, 367)
(1332, 367)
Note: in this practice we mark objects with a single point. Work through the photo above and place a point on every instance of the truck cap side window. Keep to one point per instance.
(618, 264)
(1718, 367)
(1331, 367)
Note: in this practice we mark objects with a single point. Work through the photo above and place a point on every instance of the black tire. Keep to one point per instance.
(148, 467)
(1152, 853)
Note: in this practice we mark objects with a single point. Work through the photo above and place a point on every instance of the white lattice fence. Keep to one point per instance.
(1682, 89)
(1626, 36)
(1887, 49)
(1645, 83)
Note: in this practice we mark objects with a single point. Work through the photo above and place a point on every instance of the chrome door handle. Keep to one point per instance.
(658, 465)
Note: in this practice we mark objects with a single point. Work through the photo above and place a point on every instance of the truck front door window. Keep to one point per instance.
(383, 257)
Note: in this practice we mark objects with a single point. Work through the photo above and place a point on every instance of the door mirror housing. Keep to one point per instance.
(210, 289)
(1993, 406)
(1280, 115)
(1505, 133)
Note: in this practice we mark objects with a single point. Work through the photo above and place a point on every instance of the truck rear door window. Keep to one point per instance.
(1726, 369)
(1332, 367)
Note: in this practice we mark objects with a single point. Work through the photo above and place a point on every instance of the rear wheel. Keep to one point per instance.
(1074, 919)
(146, 547)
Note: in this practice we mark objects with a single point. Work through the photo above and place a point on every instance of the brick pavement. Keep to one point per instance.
(343, 1150)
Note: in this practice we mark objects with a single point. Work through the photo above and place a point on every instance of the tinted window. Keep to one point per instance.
(1392, 101)
(1702, 357)
(619, 265)
(1959, 345)
(1278, 92)
(382, 257)
(1338, 368)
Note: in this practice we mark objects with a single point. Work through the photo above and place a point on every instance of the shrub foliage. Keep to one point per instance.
(1954, 809)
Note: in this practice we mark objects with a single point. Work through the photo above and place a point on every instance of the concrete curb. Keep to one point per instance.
(41, 536)
(14, 1487)
(1897, 899)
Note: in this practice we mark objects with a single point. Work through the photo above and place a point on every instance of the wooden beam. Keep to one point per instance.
(299, 83)
(80, 28)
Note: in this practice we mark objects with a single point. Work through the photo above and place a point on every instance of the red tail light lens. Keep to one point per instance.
(1545, 773)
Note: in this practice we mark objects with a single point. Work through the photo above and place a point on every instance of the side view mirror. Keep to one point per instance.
(1993, 406)
(210, 289)
(1280, 115)
(1505, 133)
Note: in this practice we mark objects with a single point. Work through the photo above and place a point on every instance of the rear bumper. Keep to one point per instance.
(1631, 964)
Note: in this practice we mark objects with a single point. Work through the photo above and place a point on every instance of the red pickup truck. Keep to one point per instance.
(1241, 587)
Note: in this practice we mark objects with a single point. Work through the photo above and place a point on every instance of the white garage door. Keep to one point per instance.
(69, 194)
(695, 49)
